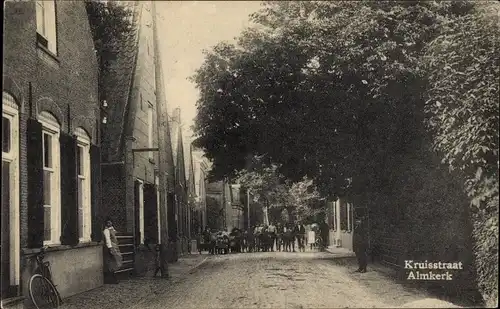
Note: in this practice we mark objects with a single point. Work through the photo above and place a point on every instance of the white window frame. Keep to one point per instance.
(83, 142)
(10, 110)
(51, 127)
(141, 210)
(157, 181)
(46, 27)
(150, 129)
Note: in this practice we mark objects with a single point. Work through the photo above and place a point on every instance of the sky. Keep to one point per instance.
(186, 28)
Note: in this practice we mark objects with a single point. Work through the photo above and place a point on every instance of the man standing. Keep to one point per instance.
(301, 237)
(360, 244)
(272, 234)
(279, 236)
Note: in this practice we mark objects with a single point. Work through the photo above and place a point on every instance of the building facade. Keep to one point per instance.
(340, 216)
(201, 167)
(132, 148)
(50, 146)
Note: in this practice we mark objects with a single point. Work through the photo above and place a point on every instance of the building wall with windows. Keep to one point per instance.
(50, 83)
(131, 167)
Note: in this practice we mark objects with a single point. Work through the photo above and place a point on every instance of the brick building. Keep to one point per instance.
(134, 178)
(50, 147)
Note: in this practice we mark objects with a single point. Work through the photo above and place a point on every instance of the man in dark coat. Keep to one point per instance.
(360, 244)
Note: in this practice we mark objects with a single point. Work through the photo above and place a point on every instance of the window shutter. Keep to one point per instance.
(150, 214)
(137, 228)
(69, 188)
(95, 184)
(35, 184)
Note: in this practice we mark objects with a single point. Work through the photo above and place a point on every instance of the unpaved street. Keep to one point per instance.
(278, 280)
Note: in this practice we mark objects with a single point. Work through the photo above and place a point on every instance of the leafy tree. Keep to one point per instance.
(463, 111)
(271, 190)
(328, 90)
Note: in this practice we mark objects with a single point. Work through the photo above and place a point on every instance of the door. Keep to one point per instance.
(9, 244)
(5, 244)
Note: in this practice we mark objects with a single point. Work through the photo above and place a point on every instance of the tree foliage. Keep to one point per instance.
(271, 189)
(463, 109)
(329, 90)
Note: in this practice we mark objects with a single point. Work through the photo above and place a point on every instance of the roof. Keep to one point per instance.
(118, 87)
(174, 138)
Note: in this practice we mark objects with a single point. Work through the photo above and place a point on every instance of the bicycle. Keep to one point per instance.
(319, 243)
(43, 292)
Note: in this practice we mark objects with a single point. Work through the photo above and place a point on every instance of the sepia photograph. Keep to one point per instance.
(250, 154)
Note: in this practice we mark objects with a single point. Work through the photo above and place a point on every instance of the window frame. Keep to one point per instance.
(83, 144)
(49, 127)
(47, 36)
(141, 210)
(10, 110)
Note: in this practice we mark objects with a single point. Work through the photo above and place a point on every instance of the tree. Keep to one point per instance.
(463, 114)
(271, 190)
(309, 89)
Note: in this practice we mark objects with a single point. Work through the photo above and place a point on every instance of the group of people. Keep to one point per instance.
(285, 237)
(272, 237)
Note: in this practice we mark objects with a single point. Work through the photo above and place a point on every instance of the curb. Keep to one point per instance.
(341, 255)
(196, 266)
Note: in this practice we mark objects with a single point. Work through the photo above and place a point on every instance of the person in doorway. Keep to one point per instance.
(112, 257)
(360, 244)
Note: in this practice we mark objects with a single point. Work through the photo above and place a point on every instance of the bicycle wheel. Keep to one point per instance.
(319, 243)
(43, 293)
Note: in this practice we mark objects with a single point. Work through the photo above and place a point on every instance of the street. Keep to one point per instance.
(278, 280)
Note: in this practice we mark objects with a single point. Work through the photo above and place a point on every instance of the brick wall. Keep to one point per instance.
(113, 199)
(65, 85)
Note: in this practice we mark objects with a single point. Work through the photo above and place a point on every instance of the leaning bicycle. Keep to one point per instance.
(43, 292)
(319, 244)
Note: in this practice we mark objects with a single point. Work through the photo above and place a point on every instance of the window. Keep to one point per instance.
(10, 242)
(46, 24)
(141, 210)
(84, 193)
(150, 130)
(51, 178)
